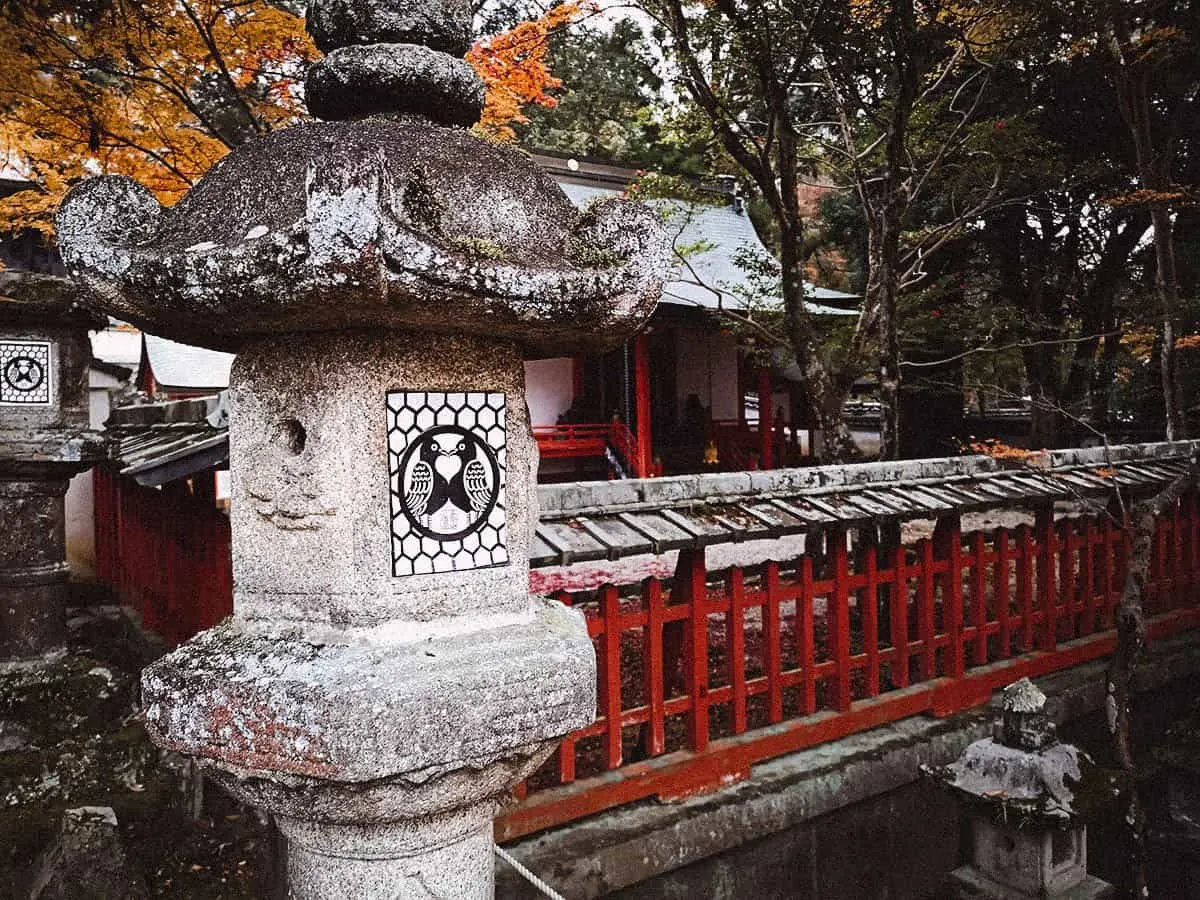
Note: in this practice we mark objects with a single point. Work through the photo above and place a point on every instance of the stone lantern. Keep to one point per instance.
(45, 439)
(1027, 841)
(386, 678)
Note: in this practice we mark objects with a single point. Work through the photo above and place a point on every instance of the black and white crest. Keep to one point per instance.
(447, 468)
(449, 481)
(25, 373)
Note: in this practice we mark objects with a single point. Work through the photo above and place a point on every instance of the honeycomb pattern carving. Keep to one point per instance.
(446, 466)
(25, 373)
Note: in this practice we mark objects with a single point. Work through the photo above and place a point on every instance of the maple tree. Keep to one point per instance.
(155, 89)
(513, 65)
(160, 90)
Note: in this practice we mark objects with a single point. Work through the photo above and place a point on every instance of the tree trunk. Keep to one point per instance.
(1166, 286)
(883, 253)
(1154, 164)
(825, 395)
(1131, 636)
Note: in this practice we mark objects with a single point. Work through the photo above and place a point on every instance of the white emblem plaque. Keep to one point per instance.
(446, 464)
(25, 373)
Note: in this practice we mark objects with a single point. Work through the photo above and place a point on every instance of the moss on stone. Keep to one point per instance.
(473, 246)
(593, 257)
(421, 204)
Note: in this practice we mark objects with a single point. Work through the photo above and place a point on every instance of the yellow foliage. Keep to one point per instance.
(999, 450)
(513, 67)
(1181, 195)
(128, 90)
(1140, 342)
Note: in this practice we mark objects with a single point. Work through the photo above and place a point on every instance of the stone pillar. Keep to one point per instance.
(44, 441)
(386, 678)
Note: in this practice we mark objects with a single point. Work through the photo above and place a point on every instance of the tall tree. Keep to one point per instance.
(907, 82)
(1146, 56)
(1155, 73)
(609, 98)
(795, 88)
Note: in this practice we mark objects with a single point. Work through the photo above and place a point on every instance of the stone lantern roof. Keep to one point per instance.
(389, 215)
(56, 433)
(29, 299)
(1023, 768)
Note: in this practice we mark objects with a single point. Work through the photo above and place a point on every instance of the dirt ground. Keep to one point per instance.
(70, 736)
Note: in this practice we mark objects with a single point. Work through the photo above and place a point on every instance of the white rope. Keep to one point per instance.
(529, 876)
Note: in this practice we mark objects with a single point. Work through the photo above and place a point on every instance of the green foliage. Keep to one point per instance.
(606, 106)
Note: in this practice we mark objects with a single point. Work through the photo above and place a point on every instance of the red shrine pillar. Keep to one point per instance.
(641, 383)
(766, 423)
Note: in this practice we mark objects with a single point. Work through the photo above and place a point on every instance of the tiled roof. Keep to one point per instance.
(711, 276)
(155, 443)
(183, 367)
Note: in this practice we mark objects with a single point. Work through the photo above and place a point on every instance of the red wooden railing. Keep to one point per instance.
(584, 441)
(165, 552)
(705, 675)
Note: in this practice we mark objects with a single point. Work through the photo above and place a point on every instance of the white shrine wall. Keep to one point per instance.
(706, 364)
(549, 386)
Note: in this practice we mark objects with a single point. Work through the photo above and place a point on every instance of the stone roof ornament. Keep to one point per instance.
(386, 678)
(388, 214)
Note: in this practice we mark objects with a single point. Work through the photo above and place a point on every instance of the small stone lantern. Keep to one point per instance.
(45, 439)
(386, 678)
(1027, 841)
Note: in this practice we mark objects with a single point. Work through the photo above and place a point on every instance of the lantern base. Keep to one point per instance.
(968, 883)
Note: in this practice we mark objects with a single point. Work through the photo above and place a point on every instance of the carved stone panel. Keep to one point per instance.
(446, 461)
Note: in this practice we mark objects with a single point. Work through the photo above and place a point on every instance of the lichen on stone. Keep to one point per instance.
(473, 246)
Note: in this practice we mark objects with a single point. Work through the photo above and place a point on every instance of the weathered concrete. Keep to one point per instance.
(834, 822)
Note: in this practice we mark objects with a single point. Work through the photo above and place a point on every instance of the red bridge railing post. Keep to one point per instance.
(926, 628)
(735, 637)
(806, 638)
(947, 538)
(1047, 563)
(1025, 562)
(869, 600)
(772, 643)
(656, 679)
(839, 618)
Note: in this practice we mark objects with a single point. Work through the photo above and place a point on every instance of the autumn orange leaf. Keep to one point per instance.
(513, 67)
(160, 90)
